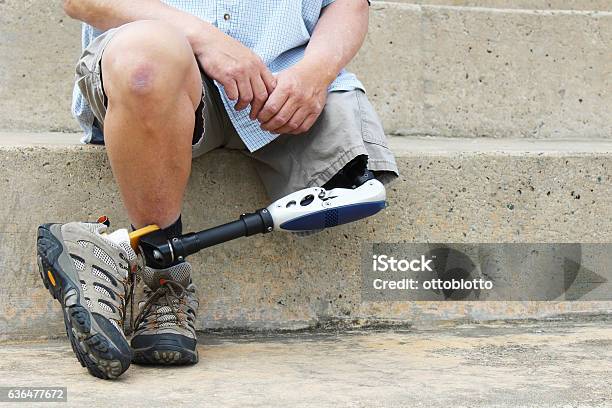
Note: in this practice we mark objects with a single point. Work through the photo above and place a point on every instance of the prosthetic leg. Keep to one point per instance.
(351, 195)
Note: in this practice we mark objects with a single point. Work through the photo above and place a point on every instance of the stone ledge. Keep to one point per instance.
(505, 191)
(436, 70)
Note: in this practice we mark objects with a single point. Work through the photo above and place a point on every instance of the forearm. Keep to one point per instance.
(337, 37)
(106, 14)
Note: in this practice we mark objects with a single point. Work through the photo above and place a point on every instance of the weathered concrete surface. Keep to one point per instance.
(39, 46)
(601, 5)
(511, 191)
(434, 70)
(542, 365)
(466, 72)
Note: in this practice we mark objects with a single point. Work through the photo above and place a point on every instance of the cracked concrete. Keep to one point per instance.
(559, 363)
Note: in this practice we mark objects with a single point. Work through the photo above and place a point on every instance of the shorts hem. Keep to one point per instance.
(383, 165)
(321, 177)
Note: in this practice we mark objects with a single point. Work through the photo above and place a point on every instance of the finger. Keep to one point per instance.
(260, 96)
(282, 117)
(231, 89)
(307, 124)
(273, 105)
(246, 93)
(269, 80)
(295, 122)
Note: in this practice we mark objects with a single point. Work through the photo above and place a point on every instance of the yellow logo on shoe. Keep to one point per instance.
(51, 278)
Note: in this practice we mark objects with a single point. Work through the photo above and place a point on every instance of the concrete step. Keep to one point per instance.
(477, 366)
(444, 70)
(451, 190)
(589, 5)
(484, 72)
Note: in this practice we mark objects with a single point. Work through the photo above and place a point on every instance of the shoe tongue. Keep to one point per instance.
(121, 239)
(96, 227)
(119, 236)
(180, 273)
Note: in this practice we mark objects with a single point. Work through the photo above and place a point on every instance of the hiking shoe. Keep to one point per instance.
(165, 325)
(88, 272)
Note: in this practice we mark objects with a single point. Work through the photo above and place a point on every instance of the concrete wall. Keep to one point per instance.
(434, 70)
(519, 96)
(455, 71)
(447, 193)
(601, 5)
(39, 46)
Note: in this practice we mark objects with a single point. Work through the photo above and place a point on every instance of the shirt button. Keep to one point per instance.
(226, 16)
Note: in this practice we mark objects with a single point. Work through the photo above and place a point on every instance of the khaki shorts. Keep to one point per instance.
(348, 127)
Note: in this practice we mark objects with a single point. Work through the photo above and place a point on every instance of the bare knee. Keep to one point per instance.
(147, 62)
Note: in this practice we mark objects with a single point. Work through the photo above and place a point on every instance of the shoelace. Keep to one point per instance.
(131, 294)
(167, 289)
(129, 285)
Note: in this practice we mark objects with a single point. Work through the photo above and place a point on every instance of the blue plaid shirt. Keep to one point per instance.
(277, 31)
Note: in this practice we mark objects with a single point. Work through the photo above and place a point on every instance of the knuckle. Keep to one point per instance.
(293, 88)
(231, 71)
(298, 92)
(236, 71)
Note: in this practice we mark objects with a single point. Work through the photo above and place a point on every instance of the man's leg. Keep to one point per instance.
(153, 85)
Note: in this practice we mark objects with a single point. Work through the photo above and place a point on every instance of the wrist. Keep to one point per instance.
(316, 72)
(199, 33)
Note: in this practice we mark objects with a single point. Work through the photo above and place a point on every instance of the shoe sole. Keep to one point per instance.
(94, 348)
(166, 351)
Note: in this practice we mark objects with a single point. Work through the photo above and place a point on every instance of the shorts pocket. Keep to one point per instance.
(90, 87)
(371, 126)
(84, 83)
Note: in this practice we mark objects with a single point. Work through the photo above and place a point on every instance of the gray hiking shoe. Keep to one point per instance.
(89, 272)
(164, 328)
